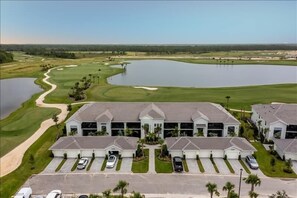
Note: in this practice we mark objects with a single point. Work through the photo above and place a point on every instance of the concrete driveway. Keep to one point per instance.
(193, 166)
(51, 167)
(294, 166)
(223, 169)
(255, 172)
(83, 170)
(126, 165)
(207, 165)
(236, 165)
(97, 164)
(66, 168)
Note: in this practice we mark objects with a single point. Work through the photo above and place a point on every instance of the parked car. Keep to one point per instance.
(24, 193)
(83, 196)
(178, 164)
(82, 163)
(54, 194)
(251, 161)
(111, 161)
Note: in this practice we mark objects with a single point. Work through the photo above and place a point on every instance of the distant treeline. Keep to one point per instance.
(57, 53)
(161, 49)
(5, 57)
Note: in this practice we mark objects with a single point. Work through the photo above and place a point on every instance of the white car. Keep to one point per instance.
(54, 194)
(82, 163)
(24, 193)
(111, 161)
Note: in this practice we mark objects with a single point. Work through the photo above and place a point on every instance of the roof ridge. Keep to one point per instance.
(289, 144)
(190, 142)
(73, 142)
(277, 111)
(177, 140)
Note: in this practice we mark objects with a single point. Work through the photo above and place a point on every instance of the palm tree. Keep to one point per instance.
(158, 129)
(252, 194)
(122, 186)
(55, 118)
(212, 189)
(254, 180)
(128, 132)
(145, 127)
(228, 98)
(279, 194)
(136, 195)
(161, 142)
(142, 141)
(106, 193)
(175, 132)
(228, 187)
(233, 194)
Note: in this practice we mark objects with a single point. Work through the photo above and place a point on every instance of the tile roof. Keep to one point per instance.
(286, 113)
(95, 142)
(207, 143)
(286, 145)
(169, 111)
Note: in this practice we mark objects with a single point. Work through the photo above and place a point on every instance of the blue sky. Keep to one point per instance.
(148, 22)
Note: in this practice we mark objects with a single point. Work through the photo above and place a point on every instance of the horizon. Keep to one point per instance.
(148, 23)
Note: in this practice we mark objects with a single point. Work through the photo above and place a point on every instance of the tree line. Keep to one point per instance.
(5, 57)
(62, 50)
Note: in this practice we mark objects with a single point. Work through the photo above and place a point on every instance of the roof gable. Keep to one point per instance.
(152, 111)
(106, 116)
(198, 115)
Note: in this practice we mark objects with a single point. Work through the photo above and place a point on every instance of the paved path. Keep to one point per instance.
(97, 164)
(222, 166)
(126, 165)
(152, 157)
(192, 166)
(165, 184)
(67, 166)
(13, 159)
(207, 165)
(51, 167)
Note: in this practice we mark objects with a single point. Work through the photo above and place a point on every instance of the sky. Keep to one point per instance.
(148, 22)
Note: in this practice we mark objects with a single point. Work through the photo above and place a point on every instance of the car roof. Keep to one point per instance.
(178, 159)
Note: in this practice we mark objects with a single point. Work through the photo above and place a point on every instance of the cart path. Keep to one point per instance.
(13, 159)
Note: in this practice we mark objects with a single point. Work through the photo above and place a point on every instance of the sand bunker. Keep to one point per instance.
(60, 69)
(147, 88)
(71, 66)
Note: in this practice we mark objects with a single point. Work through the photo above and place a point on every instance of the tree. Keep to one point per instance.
(69, 107)
(55, 118)
(136, 195)
(228, 187)
(32, 161)
(106, 193)
(175, 132)
(157, 131)
(142, 141)
(121, 186)
(254, 180)
(212, 189)
(252, 194)
(145, 127)
(128, 132)
(228, 98)
(272, 163)
(233, 194)
(279, 194)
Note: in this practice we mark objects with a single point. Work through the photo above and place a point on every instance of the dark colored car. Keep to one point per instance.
(83, 196)
(251, 161)
(178, 164)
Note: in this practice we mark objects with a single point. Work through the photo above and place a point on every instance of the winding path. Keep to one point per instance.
(13, 159)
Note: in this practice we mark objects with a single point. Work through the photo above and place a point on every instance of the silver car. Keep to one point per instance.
(251, 161)
(111, 161)
(82, 163)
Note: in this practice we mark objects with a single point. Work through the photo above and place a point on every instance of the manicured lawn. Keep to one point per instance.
(214, 165)
(263, 158)
(141, 166)
(201, 168)
(119, 164)
(185, 165)
(229, 166)
(245, 167)
(104, 164)
(90, 164)
(162, 166)
(60, 165)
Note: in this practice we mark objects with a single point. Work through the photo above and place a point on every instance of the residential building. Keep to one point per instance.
(190, 118)
(286, 148)
(191, 147)
(276, 120)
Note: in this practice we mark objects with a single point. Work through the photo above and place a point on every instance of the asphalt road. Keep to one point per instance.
(167, 184)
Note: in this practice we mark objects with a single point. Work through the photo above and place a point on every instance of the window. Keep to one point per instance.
(231, 131)
(73, 130)
(103, 128)
(277, 133)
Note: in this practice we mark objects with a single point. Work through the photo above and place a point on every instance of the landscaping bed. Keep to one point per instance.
(162, 165)
(141, 165)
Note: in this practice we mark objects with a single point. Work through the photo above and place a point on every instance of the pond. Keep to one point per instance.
(179, 74)
(15, 91)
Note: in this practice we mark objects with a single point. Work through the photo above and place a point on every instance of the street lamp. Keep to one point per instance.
(239, 182)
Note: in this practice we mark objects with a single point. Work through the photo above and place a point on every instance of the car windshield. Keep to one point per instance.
(111, 158)
(81, 161)
(178, 163)
(253, 160)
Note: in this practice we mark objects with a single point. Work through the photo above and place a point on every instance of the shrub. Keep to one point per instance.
(225, 157)
(106, 156)
(288, 170)
(78, 156)
(164, 150)
(239, 157)
(65, 155)
(184, 156)
(93, 155)
(211, 156)
(197, 157)
(120, 156)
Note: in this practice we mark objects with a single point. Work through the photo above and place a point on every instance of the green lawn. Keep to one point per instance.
(90, 164)
(214, 165)
(229, 166)
(263, 158)
(104, 164)
(141, 166)
(201, 168)
(60, 165)
(162, 166)
(244, 166)
(119, 164)
(75, 164)
(185, 165)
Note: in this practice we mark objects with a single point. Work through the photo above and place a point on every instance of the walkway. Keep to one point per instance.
(152, 148)
(13, 159)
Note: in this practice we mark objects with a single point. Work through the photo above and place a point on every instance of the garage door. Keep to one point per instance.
(87, 153)
(291, 156)
(72, 154)
(190, 154)
(176, 153)
(232, 154)
(218, 154)
(127, 154)
(204, 153)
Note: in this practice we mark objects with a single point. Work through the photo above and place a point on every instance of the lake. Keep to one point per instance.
(179, 74)
(15, 91)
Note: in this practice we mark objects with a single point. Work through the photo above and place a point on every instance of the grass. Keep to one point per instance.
(229, 166)
(119, 164)
(244, 166)
(60, 165)
(214, 165)
(186, 169)
(141, 166)
(104, 164)
(162, 166)
(263, 158)
(90, 164)
(201, 168)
